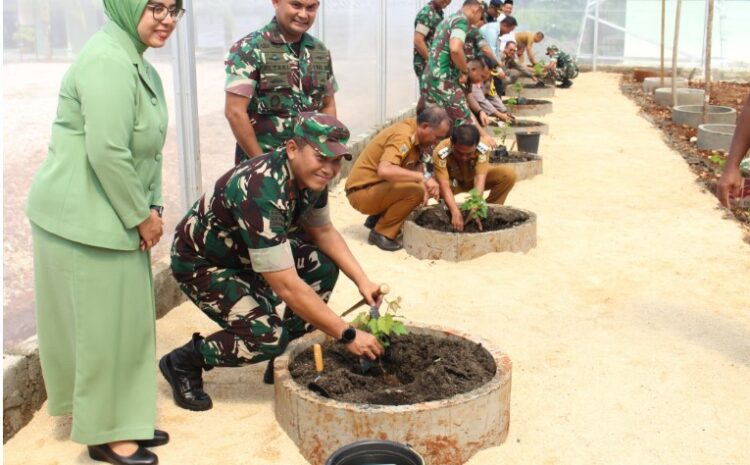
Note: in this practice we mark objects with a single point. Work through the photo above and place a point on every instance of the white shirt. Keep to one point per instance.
(505, 38)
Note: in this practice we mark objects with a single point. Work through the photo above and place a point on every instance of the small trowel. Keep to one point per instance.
(313, 385)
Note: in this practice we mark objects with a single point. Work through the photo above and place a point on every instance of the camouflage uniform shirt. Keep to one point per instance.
(425, 23)
(440, 84)
(474, 43)
(247, 220)
(279, 80)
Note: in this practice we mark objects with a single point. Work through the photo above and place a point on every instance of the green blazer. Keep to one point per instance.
(103, 168)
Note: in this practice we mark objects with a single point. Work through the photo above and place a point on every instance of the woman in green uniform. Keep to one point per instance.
(95, 212)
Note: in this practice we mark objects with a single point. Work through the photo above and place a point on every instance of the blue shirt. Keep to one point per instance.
(490, 32)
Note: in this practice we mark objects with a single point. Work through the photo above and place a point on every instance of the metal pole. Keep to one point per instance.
(382, 61)
(320, 22)
(186, 109)
(675, 51)
(663, 23)
(709, 31)
(583, 28)
(596, 34)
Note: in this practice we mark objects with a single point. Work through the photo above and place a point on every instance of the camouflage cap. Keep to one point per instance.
(553, 47)
(327, 135)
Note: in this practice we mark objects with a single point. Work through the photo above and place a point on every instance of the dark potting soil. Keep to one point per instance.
(524, 123)
(418, 368)
(438, 218)
(513, 157)
(530, 101)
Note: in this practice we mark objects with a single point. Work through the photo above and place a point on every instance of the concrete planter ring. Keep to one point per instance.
(443, 432)
(692, 115)
(532, 107)
(717, 137)
(685, 96)
(526, 165)
(432, 244)
(650, 84)
(531, 91)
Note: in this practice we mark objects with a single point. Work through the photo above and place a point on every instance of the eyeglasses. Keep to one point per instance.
(160, 12)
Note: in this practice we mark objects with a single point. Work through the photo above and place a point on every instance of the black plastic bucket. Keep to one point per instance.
(528, 142)
(375, 453)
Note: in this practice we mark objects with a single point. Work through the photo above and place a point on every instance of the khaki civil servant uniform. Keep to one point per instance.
(372, 195)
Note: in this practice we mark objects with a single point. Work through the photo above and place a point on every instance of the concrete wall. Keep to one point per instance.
(23, 386)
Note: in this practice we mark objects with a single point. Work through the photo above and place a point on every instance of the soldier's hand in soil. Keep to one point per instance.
(432, 188)
(151, 230)
(457, 220)
(365, 345)
(729, 185)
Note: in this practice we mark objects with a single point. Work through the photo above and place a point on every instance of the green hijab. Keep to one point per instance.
(127, 14)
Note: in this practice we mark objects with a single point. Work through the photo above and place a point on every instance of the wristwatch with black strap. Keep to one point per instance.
(348, 335)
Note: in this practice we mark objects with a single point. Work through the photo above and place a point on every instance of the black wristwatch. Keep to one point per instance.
(348, 335)
(158, 209)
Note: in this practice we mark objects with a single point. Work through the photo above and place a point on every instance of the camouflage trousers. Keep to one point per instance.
(453, 100)
(247, 309)
(564, 74)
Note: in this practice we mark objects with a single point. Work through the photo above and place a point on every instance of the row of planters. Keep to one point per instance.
(687, 109)
(443, 392)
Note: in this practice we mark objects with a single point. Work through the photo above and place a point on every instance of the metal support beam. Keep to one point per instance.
(382, 94)
(596, 34)
(186, 109)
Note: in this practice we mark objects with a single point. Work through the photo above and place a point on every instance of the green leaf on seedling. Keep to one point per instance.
(372, 325)
(384, 324)
(399, 328)
(476, 206)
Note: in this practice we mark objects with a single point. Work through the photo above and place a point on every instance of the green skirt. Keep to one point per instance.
(96, 327)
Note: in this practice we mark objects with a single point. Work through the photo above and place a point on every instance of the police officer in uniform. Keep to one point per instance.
(462, 163)
(262, 238)
(390, 179)
(275, 73)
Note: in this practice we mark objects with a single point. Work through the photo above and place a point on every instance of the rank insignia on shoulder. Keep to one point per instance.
(276, 221)
(482, 148)
(444, 152)
(404, 149)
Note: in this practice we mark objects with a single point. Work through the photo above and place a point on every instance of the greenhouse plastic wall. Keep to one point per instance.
(371, 44)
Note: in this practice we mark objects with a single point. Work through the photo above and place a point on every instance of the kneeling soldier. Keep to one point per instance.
(388, 180)
(261, 238)
(461, 164)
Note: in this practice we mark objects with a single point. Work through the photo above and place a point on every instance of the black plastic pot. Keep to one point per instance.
(375, 452)
(528, 142)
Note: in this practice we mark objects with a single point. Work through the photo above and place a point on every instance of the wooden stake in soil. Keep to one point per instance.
(709, 29)
(674, 52)
(663, 21)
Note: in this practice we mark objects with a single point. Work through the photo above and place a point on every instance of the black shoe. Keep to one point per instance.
(371, 221)
(104, 453)
(182, 369)
(160, 438)
(565, 84)
(268, 375)
(383, 242)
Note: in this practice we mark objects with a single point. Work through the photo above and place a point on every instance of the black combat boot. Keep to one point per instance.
(182, 369)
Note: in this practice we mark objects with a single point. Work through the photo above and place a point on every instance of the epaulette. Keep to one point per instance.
(444, 152)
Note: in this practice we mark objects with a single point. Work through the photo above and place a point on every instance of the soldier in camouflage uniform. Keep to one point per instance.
(274, 74)
(440, 82)
(425, 23)
(263, 238)
(561, 67)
